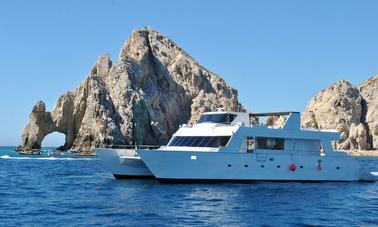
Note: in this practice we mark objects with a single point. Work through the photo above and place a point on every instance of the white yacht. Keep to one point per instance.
(234, 147)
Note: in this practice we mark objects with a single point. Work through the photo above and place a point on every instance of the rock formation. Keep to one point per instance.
(350, 109)
(143, 98)
(369, 92)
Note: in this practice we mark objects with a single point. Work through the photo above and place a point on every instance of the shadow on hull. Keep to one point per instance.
(128, 177)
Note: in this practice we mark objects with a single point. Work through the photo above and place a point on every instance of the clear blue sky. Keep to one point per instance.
(277, 53)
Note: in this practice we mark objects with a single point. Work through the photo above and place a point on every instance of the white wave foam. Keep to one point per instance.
(46, 158)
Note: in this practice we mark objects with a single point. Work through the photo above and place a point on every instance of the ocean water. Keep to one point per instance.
(57, 191)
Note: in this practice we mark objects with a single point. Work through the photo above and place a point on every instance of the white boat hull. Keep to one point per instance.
(185, 166)
(123, 163)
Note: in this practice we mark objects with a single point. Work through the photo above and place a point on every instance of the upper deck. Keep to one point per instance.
(225, 123)
(221, 129)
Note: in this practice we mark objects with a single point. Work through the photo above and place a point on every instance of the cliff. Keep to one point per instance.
(352, 110)
(143, 98)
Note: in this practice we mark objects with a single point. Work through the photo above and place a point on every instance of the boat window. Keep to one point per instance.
(250, 144)
(174, 140)
(224, 141)
(211, 141)
(184, 140)
(270, 143)
(221, 141)
(179, 141)
(196, 141)
(200, 141)
(217, 118)
(205, 141)
(191, 140)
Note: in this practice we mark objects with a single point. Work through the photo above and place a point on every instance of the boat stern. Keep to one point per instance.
(123, 163)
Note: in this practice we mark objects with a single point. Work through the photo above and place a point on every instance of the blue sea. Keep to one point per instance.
(72, 191)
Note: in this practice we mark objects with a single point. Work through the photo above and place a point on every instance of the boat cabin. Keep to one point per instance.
(241, 132)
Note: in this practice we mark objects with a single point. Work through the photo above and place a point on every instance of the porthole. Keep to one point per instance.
(301, 167)
(262, 166)
(278, 166)
(338, 167)
(245, 166)
(229, 165)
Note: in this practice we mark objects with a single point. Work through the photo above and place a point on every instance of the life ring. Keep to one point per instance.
(293, 167)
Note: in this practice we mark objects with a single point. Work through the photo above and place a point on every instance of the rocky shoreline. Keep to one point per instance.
(351, 109)
(363, 153)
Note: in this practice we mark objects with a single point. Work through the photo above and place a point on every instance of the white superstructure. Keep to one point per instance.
(233, 146)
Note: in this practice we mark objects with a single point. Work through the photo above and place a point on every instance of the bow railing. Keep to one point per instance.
(131, 147)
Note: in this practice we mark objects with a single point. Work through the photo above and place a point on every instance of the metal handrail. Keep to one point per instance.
(131, 147)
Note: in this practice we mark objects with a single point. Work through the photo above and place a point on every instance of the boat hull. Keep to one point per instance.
(208, 167)
(123, 163)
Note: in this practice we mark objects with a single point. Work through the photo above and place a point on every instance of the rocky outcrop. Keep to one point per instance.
(352, 110)
(369, 91)
(143, 98)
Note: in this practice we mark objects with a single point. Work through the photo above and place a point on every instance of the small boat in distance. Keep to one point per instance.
(86, 152)
(30, 152)
(234, 147)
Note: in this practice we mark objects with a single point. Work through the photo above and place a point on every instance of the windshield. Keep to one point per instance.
(199, 141)
(217, 118)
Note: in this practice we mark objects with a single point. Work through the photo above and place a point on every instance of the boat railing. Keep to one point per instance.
(131, 147)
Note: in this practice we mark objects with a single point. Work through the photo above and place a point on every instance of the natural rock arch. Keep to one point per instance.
(43, 123)
(54, 139)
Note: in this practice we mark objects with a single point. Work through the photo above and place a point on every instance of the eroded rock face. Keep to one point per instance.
(369, 91)
(143, 98)
(39, 125)
(349, 109)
